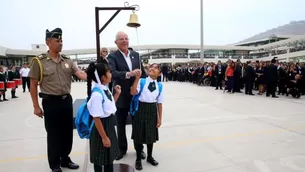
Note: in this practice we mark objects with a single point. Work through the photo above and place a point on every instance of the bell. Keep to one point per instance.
(133, 21)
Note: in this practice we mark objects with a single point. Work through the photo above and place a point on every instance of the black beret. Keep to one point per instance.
(56, 33)
(130, 49)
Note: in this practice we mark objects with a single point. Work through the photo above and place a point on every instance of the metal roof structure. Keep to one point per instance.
(9, 51)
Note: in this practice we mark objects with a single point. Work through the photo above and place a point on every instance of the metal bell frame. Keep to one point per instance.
(99, 30)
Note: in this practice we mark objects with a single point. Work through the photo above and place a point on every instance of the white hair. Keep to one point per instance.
(118, 34)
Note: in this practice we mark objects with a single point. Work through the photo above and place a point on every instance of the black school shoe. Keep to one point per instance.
(138, 165)
(152, 161)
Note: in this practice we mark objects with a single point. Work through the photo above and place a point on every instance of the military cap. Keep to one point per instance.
(56, 33)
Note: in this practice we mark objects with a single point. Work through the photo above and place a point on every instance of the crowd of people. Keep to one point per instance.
(270, 77)
(15, 75)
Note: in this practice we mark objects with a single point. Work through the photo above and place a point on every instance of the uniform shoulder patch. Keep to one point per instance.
(64, 56)
(42, 56)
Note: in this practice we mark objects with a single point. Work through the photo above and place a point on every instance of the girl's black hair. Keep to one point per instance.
(101, 68)
(159, 67)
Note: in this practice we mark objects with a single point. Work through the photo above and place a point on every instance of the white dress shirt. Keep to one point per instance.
(95, 105)
(128, 61)
(24, 72)
(150, 97)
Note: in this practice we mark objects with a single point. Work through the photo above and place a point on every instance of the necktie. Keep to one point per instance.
(152, 86)
(107, 92)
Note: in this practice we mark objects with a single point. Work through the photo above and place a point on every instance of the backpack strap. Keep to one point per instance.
(142, 83)
(160, 88)
(96, 89)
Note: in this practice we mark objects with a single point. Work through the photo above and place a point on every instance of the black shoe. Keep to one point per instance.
(120, 156)
(14, 97)
(70, 165)
(143, 155)
(275, 97)
(5, 100)
(138, 165)
(152, 161)
(56, 170)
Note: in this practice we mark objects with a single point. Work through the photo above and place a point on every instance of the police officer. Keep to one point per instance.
(53, 72)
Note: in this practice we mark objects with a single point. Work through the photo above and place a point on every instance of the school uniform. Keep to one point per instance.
(104, 108)
(3, 78)
(144, 125)
(11, 76)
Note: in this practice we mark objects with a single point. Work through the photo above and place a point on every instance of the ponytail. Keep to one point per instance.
(90, 73)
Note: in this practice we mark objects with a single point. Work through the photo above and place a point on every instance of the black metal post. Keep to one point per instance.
(97, 23)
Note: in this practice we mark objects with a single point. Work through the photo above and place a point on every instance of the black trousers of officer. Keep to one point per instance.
(121, 115)
(58, 117)
(25, 82)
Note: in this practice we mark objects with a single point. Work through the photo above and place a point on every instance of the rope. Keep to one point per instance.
(40, 68)
(138, 47)
(86, 159)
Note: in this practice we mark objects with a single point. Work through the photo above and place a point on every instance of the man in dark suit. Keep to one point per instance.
(272, 79)
(220, 73)
(250, 78)
(124, 65)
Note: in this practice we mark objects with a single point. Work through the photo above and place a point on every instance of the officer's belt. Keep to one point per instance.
(53, 97)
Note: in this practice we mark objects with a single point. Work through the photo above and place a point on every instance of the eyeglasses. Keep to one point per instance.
(123, 39)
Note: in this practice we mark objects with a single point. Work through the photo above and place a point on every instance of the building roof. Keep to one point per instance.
(292, 28)
(2, 51)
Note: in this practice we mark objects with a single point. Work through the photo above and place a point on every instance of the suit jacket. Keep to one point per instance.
(250, 73)
(119, 68)
(102, 60)
(272, 74)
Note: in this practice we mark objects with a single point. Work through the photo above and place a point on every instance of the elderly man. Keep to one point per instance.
(124, 65)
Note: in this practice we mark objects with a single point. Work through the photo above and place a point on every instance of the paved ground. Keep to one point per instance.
(203, 130)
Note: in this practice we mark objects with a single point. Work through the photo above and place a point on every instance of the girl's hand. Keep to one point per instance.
(159, 123)
(106, 142)
(117, 89)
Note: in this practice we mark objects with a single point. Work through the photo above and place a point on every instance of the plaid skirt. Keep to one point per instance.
(99, 154)
(144, 124)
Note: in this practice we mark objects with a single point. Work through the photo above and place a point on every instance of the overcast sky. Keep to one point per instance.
(23, 22)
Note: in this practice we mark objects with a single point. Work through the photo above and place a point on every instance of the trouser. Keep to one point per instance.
(25, 82)
(165, 78)
(121, 115)
(249, 87)
(58, 118)
(219, 82)
(271, 89)
(282, 87)
(107, 168)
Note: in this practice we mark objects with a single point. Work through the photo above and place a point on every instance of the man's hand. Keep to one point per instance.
(137, 72)
(38, 112)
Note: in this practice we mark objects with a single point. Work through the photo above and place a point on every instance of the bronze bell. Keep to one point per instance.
(133, 21)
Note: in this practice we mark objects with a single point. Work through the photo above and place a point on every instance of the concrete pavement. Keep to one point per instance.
(203, 130)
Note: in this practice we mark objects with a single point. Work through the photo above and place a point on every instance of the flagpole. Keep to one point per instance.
(201, 33)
